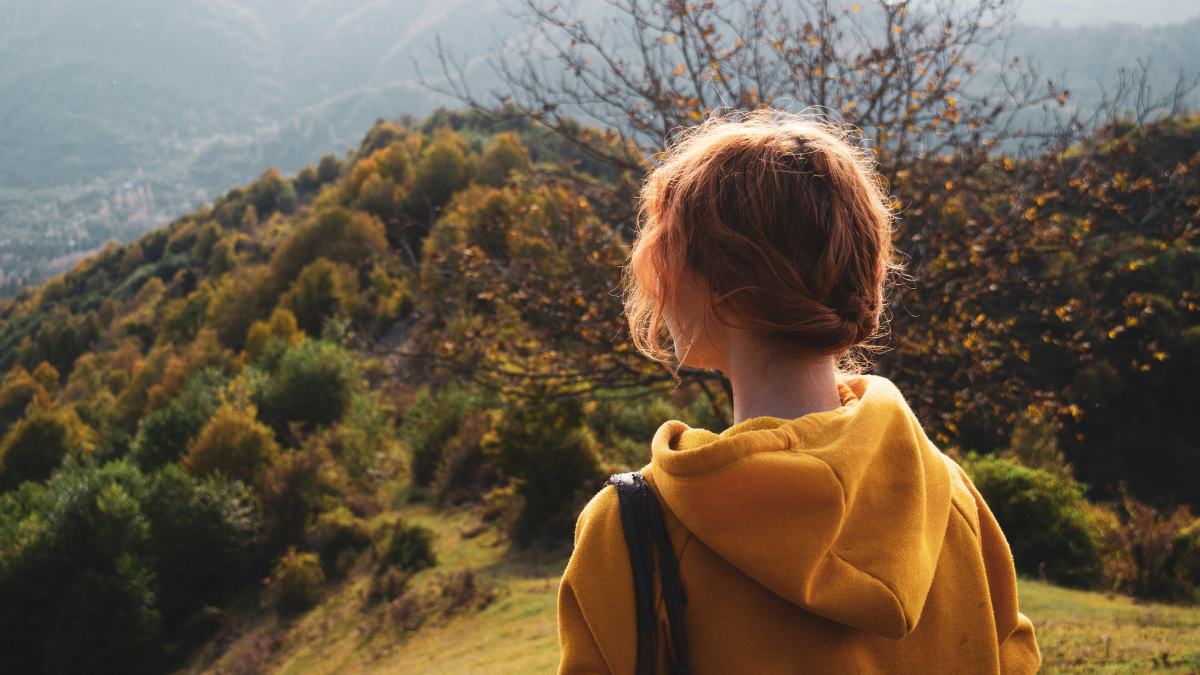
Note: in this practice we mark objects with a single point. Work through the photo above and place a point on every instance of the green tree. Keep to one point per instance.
(36, 446)
(163, 435)
(100, 566)
(313, 385)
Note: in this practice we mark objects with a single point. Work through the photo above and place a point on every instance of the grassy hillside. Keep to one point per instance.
(515, 633)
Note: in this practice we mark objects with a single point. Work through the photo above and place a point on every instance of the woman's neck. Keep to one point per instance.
(770, 381)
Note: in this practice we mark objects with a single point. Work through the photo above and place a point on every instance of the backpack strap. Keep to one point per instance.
(643, 522)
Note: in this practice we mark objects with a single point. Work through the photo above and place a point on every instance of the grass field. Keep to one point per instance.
(515, 632)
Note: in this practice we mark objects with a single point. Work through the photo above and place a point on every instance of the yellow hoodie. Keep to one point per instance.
(839, 542)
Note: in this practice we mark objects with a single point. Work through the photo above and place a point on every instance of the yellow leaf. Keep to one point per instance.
(679, 70)
(896, 29)
(855, 9)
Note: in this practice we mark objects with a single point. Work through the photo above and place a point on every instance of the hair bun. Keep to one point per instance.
(856, 308)
(861, 313)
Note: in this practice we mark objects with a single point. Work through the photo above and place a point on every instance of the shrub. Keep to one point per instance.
(503, 158)
(408, 546)
(624, 428)
(281, 326)
(550, 457)
(465, 472)
(101, 564)
(1164, 550)
(237, 301)
(297, 487)
(185, 321)
(295, 583)
(329, 168)
(204, 535)
(267, 193)
(430, 423)
(164, 434)
(1035, 445)
(313, 384)
(443, 169)
(388, 585)
(35, 446)
(335, 532)
(203, 353)
(17, 390)
(145, 374)
(323, 290)
(377, 195)
(334, 233)
(1045, 518)
(391, 297)
(61, 340)
(364, 440)
(234, 444)
(407, 612)
(250, 654)
(462, 590)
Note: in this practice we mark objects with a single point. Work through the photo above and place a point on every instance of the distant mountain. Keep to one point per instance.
(1090, 56)
(116, 116)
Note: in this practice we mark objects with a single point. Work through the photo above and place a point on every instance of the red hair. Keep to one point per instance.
(782, 218)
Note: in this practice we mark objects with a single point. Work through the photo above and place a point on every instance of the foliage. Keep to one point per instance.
(1162, 552)
(401, 543)
(550, 459)
(295, 583)
(323, 290)
(531, 302)
(1044, 517)
(1035, 445)
(36, 445)
(298, 486)
(465, 472)
(463, 270)
(233, 444)
(313, 384)
(150, 549)
(365, 441)
(163, 435)
(430, 423)
(335, 532)
(16, 392)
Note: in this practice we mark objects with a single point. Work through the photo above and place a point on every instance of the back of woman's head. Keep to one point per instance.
(781, 219)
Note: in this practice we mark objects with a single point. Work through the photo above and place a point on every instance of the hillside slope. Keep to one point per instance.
(516, 633)
(306, 379)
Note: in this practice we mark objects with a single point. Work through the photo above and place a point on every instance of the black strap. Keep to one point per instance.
(643, 522)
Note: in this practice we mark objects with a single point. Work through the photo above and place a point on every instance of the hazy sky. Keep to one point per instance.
(1077, 12)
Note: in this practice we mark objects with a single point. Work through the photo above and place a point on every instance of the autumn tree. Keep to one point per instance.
(999, 190)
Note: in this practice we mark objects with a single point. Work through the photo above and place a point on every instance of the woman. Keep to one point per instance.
(822, 532)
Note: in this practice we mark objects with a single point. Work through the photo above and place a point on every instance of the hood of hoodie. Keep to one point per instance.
(842, 513)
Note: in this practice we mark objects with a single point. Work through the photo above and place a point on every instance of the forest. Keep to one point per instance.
(233, 414)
